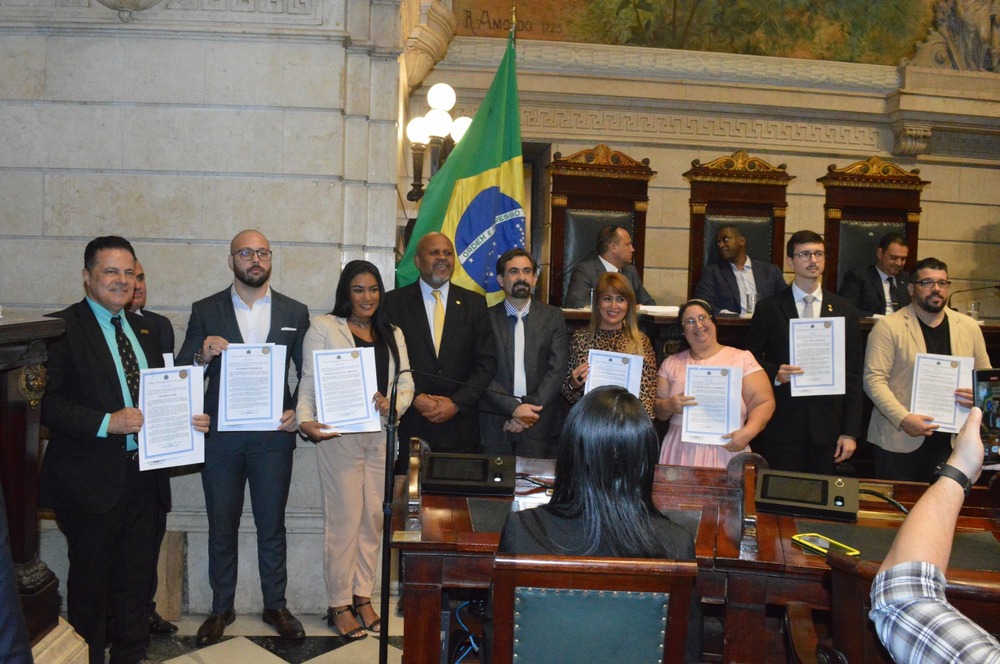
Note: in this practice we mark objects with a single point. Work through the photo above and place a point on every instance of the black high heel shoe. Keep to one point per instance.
(355, 634)
(375, 626)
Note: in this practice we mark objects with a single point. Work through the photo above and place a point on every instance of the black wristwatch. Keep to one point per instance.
(946, 470)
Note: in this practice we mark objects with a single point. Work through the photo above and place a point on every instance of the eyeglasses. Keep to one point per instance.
(927, 283)
(248, 254)
(694, 322)
(806, 255)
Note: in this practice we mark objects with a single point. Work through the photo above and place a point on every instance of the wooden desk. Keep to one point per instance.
(745, 559)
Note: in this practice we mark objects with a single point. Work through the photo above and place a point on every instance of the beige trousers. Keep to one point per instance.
(352, 481)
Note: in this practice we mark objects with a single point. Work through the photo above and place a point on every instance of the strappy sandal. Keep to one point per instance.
(355, 634)
(375, 626)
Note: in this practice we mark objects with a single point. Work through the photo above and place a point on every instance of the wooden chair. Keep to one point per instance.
(580, 609)
(736, 190)
(864, 201)
(853, 636)
(590, 189)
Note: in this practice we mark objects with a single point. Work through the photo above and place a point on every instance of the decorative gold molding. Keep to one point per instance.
(32, 383)
(642, 206)
(699, 208)
(833, 213)
(602, 160)
(875, 173)
(559, 200)
(780, 212)
(913, 217)
(739, 167)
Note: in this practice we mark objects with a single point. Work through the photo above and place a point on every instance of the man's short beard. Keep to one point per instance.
(253, 282)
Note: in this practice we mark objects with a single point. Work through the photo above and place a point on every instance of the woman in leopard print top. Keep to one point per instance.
(613, 327)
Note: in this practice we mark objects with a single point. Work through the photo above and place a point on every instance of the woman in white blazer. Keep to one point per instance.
(352, 465)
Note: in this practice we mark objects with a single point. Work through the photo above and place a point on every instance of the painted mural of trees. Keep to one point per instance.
(870, 31)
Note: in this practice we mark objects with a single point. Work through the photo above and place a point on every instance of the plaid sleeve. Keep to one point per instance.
(917, 624)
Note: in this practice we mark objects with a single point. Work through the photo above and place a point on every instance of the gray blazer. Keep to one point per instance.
(215, 316)
(546, 353)
(584, 279)
(717, 284)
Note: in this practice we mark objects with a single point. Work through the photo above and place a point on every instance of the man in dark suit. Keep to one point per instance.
(90, 476)
(247, 312)
(449, 339)
(726, 284)
(157, 625)
(880, 288)
(614, 254)
(806, 434)
(138, 307)
(14, 645)
(519, 411)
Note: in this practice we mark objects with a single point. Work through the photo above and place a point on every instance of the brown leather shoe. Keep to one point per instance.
(288, 626)
(214, 626)
(159, 625)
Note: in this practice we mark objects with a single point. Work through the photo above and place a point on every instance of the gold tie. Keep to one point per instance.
(438, 320)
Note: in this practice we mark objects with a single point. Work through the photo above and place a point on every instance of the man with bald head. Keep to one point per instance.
(727, 283)
(248, 311)
(449, 338)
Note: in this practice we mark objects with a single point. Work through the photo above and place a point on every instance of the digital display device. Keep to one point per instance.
(805, 494)
(468, 474)
(986, 394)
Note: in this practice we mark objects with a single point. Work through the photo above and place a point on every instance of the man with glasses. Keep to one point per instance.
(250, 312)
(880, 288)
(907, 445)
(811, 433)
(726, 284)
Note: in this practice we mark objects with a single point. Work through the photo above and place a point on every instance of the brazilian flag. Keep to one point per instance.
(477, 197)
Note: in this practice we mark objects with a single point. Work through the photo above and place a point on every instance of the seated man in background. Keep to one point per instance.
(880, 288)
(912, 616)
(614, 254)
(726, 284)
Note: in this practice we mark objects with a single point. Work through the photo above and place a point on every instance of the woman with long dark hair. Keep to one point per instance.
(352, 465)
(602, 501)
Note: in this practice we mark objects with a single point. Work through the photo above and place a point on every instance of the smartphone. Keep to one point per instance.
(986, 394)
(820, 544)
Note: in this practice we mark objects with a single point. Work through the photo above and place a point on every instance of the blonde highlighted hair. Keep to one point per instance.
(615, 283)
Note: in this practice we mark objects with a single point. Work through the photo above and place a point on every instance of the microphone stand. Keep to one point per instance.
(391, 439)
(969, 290)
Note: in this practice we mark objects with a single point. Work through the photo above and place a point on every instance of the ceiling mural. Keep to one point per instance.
(874, 32)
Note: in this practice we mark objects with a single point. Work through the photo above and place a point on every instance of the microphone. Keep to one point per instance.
(970, 290)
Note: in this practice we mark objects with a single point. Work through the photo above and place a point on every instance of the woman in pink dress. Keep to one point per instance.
(697, 320)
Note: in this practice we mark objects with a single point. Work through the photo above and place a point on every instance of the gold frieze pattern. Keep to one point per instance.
(602, 160)
(873, 172)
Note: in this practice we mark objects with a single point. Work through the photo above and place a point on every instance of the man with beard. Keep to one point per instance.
(879, 288)
(811, 433)
(907, 445)
(726, 284)
(450, 343)
(246, 312)
(519, 411)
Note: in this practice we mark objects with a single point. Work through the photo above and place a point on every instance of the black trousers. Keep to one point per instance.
(801, 456)
(915, 466)
(112, 559)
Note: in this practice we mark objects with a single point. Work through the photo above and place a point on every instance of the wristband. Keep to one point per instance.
(951, 472)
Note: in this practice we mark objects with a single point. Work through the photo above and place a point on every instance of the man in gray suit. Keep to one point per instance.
(520, 408)
(727, 283)
(614, 254)
(246, 312)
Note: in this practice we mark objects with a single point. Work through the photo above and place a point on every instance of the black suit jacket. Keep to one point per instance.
(215, 316)
(546, 353)
(82, 472)
(466, 355)
(863, 288)
(717, 284)
(584, 279)
(164, 327)
(822, 419)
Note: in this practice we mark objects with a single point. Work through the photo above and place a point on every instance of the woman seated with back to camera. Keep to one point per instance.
(602, 501)
(613, 327)
(697, 321)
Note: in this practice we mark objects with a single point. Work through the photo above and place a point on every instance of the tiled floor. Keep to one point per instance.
(250, 641)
